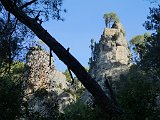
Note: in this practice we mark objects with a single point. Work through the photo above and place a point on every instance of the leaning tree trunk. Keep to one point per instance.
(90, 84)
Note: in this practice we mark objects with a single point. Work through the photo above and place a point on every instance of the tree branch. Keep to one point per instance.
(69, 70)
(27, 4)
(15, 1)
(9, 45)
(90, 84)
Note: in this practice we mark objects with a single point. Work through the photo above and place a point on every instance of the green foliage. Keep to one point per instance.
(139, 42)
(139, 90)
(9, 48)
(115, 36)
(13, 32)
(81, 111)
(50, 8)
(153, 19)
(45, 9)
(79, 92)
(11, 92)
(139, 39)
(118, 25)
(150, 60)
(17, 70)
(69, 91)
(76, 85)
(41, 92)
(148, 46)
(10, 99)
(110, 18)
(10, 42)
(78, 111)
(153, 1)
(68, 77)
(36, 116)
(137, 93)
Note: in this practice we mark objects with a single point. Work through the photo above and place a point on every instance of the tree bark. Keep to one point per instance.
(90, 84)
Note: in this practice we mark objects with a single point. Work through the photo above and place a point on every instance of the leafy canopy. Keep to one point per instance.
(110, 18)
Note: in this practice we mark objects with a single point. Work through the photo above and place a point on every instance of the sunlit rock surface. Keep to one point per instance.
(44, 85)
(110, 58)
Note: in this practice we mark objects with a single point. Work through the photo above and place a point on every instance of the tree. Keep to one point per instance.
(138, 39)
(138, 44)
(149, 59)
(141, 85)
(34, 24)
(137, 92)
(153, 1)
(13, 32)
(9, 43)
(11, 92)
(110, 18)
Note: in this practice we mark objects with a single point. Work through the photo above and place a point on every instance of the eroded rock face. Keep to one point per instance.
(44, 86)
(121, 55)
(110, 57)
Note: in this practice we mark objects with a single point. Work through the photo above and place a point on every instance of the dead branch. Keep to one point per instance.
(27, 4)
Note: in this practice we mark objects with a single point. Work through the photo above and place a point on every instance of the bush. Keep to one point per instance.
(41, 92)
(137, 93)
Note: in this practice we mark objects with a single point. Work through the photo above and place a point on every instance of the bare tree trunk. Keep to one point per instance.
(91, 85)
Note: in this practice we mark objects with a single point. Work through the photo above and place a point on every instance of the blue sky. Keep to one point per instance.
(84, 20)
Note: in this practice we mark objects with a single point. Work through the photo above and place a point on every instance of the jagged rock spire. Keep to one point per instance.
(44, 86)
(111, 57)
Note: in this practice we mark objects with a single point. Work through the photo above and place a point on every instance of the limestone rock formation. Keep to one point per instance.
(110, 57)
(44, 86)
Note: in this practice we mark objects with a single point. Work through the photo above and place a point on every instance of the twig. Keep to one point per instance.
(27, 4)
(50, 55)
(69, 70)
